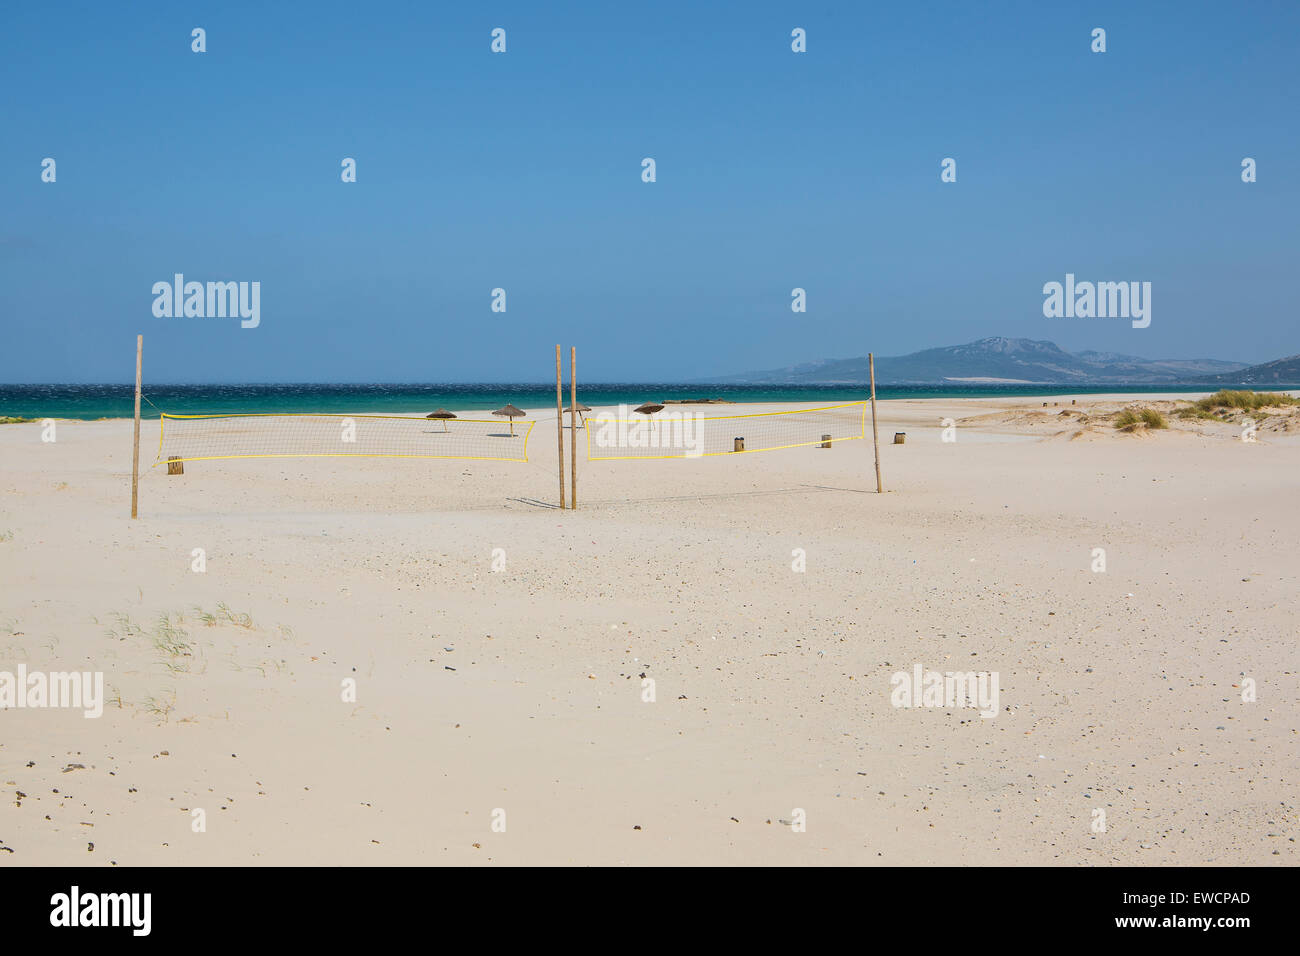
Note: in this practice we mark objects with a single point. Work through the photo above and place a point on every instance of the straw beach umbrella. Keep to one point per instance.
(581, 407)
(443, 414)
(647, 409)
(511, 413)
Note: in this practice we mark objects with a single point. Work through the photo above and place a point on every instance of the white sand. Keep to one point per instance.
(1118, 690)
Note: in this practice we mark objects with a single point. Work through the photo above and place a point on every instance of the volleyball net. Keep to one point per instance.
(674, 432)
(275, 435)
(665, 429)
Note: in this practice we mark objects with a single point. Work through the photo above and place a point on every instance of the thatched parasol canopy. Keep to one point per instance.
(511, 413)
(443, 414)
(581, 407)
(649, 408)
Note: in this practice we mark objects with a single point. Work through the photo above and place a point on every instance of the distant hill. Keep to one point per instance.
(998, 359)
(1280, 372)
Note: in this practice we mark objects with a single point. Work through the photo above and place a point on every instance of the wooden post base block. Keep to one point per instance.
(738, 444)
(175, 466)
(900, 438)
(826, 441)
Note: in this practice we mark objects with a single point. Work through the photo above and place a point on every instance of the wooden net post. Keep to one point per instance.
(573, 428)
(135, 453)
(559, 420)
(875, 435)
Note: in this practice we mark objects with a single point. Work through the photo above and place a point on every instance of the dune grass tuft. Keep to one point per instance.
(170, 637)
(1133, 418)
(1244, 400)
(123, 627)
(160, 707)
(239, 620)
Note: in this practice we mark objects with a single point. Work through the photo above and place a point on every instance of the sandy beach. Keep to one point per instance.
(500, 715)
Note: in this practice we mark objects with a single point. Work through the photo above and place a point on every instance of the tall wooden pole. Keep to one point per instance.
(135, 454)
(573, 428)
(559, 419)
(875, 435)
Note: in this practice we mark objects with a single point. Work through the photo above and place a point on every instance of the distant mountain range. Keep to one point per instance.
(1027, 361)
(1279, 372)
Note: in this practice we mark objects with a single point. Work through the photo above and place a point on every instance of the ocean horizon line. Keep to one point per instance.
(111, 400)
(972, 382)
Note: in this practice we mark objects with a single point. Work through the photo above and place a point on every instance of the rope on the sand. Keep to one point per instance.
(312, 435)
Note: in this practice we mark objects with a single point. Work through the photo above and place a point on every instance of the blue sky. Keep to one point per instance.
(522, 171)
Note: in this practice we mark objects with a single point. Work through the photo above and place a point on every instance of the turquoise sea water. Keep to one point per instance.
(117, 401)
